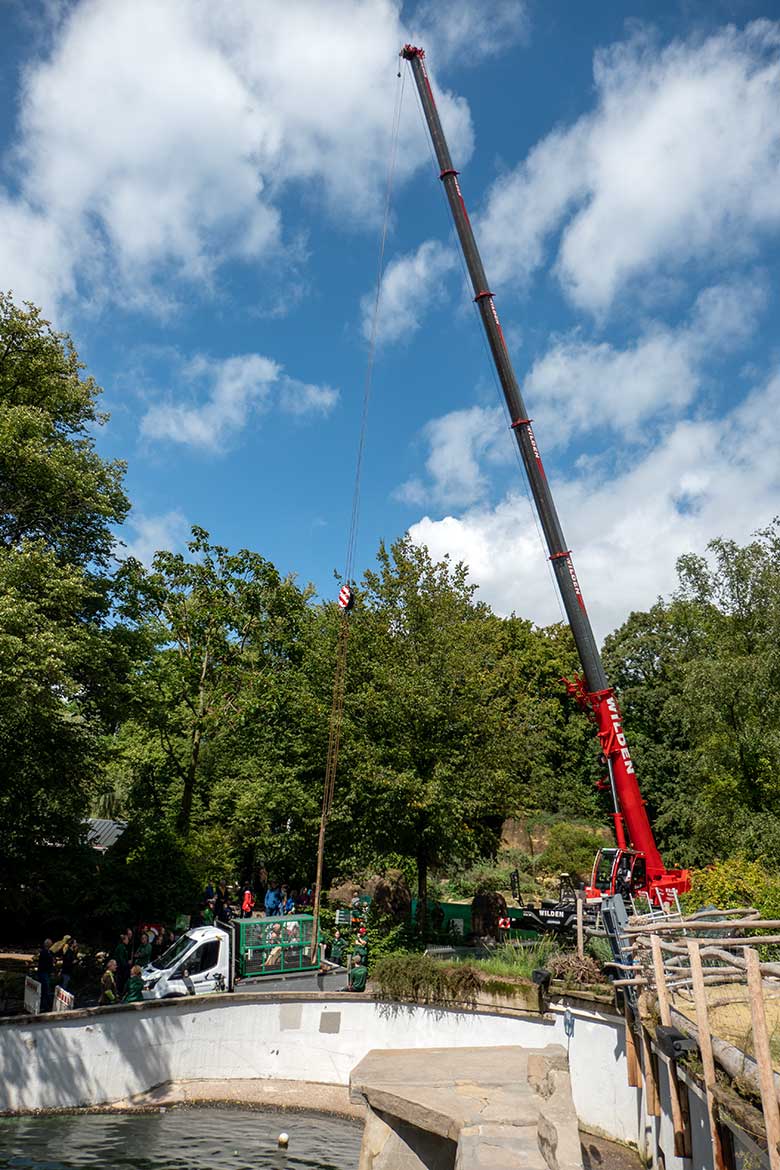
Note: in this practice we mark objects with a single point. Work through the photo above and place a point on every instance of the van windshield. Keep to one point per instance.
(173, 953)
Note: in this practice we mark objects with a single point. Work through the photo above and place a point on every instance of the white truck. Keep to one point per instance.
(199, 962)
(248, 951)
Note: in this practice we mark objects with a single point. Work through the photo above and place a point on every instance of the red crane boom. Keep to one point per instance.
(636, 864)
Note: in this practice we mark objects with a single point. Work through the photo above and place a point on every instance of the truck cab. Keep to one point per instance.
(617, 871)
(198, 963)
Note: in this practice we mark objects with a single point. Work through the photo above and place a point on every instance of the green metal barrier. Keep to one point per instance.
(272, 946)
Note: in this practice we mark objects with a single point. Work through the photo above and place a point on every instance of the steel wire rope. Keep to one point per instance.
(340, 674)
(339, 682)
(491, 366)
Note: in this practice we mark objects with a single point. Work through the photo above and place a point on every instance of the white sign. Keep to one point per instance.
(63, 1000)
(32, 995)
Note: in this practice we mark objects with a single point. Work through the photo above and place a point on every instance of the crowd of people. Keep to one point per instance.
(222, 902)
(121, 979)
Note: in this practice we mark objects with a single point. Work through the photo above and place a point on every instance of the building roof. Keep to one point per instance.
(102, 834)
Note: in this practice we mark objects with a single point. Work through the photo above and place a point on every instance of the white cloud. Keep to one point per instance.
(581, 386)
(157, 140)
(457, 444)
(303, 398)
(468, 33)
(409, 284)
(168, 530)
(678, 162)
(235, 388)
(704, 479)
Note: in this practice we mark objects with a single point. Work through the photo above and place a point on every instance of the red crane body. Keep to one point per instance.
(636, 864)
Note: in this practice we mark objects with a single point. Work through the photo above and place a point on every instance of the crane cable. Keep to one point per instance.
(341, 653)
(346, 595)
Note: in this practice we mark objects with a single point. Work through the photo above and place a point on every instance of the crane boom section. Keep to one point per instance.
(593, 692)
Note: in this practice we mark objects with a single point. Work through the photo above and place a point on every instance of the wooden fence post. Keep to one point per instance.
(763, 1056)
(680, 1112)
(705, 1047)
(632, 1061)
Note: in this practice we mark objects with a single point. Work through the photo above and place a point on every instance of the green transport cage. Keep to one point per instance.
(273, 946)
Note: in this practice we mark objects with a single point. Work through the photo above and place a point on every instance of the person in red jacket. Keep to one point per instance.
(248, 904)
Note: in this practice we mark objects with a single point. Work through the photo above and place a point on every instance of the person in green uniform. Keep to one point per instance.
(360, 949)
(358, 975)
(337, 948)
(135, 986)
(143, 956)
(122, 957)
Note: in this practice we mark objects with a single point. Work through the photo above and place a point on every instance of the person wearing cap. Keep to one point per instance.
(360, 949)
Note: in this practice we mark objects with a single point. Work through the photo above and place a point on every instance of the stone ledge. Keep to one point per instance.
(467, 1107)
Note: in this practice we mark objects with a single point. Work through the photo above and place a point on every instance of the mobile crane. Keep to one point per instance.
(635, 865)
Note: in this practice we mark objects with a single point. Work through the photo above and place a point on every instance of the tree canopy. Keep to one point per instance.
(191, 697)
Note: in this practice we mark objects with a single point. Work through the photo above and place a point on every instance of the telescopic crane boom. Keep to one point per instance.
(636, 864)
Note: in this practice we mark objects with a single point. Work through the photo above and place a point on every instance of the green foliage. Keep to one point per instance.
(570, 849)
(56, 489)
(420, 978)
(218, 629)
(491, 876)
(734, 883)
(149, 875)
(517, 961)
(698, 685)
(63, 667)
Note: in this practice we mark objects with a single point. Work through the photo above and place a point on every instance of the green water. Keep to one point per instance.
(179, 1139)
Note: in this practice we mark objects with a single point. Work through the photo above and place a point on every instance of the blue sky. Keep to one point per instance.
(194, 190)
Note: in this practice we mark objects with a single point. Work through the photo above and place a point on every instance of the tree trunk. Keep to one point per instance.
(185, 809)
(422, 891)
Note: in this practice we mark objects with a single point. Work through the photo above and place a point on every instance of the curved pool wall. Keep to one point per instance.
(100, 1056)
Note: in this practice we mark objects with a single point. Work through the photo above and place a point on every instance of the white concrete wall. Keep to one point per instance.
(106, 1055)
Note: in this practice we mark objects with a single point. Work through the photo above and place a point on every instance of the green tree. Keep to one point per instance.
(698, 680)
(444, 723)
(218, 629)
(61, 662)
(55, 487)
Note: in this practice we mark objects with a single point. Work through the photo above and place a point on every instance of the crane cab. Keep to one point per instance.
(618, 871)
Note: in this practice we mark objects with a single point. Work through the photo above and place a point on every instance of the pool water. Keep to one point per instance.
(180, 1139)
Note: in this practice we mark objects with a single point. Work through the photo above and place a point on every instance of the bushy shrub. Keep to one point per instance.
(385, 936)
(424, 980)
(492, 876)
(734, 883)
(570, 849)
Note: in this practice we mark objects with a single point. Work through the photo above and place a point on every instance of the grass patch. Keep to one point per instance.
(516, 961)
